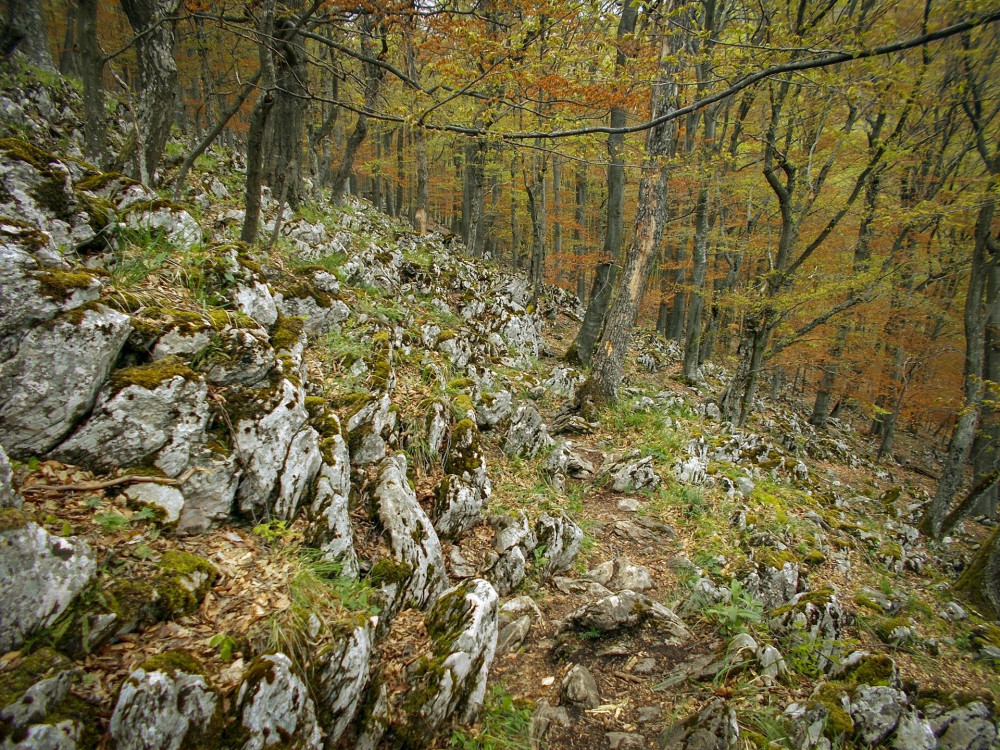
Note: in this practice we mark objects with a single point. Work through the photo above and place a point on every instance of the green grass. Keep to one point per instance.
(503, 725)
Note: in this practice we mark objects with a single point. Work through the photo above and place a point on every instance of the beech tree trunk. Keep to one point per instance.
(583, 347)
(92, 73)
(154, 30)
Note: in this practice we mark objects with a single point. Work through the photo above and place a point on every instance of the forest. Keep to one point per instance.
(801, 193)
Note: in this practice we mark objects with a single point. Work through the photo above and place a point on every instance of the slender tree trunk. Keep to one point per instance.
(583, 347)
(692, 342)
(579, 217)
(92, 73)
(69, 63)
(979, 311)
(151, 20)
(824, 392)
(258, 122)
(986, 446)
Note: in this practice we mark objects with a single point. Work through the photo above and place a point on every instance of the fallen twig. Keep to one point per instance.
(103, 484)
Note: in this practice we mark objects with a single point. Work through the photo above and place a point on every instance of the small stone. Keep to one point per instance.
(518, 606)
(625, 741)
(629, 504)
(547, 681)
(513, 634)
(580, 688)
(646, 714)
(168, 499)
(645, 666)
(459, 566)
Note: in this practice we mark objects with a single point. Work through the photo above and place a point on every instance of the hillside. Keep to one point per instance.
(332, 493)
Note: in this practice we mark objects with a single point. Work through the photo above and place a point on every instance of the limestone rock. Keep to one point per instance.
(331, 529)
(580, 688)
(372, 430)
(813, 617)
(9, 498)
(635, 476)
(209, 492)
(581, 587)
(913, 733)
(176, 225)
(513, 544)
(411, 535)
(968, 727)
(457, 506)
(565, 462)
(526, 435)
(263, 440)
(512, 635)
(40, 574)
(621, 573)
(342, 678)
(564, 380)
(53, 377)
(180, 343)
(493, 408)
(713, 728)
(625, 741)
(771, 586)
(136, 423)
(876, 711)
(462, 625)
(626, 609)
(244, 358)
(301, 466)
(158, 709)
(168, 499)
(543, 719)
(772, 663)
(256, 302)
(561, 538)
(274, 707)
(321, 314)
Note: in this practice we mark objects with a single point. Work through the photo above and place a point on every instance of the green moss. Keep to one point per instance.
(465, 456)
(388, 571)
(460, 383)
(838, 722)
(892, 550)
(446, 335)
(12, 519)
(885, 628)
(172, 662)
(156, 204)
(98, 182)
(183, 584)
(891, 495)
(814, 557)
(462, 405)
(36, 666)
(818, 598)
(100, 211)
(868, 603)
(303, 288)
(27, 234)
(58, 285)
(986, 635)
(15, 148)
(776, 558)
(876, 669)
(286, 332)
(152, 375)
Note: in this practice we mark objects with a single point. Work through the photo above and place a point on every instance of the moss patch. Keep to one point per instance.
(185, 580)
(12, 519)
(152, 375)
(15, 148)
(286, 332)
(172, 662)
(59, 285)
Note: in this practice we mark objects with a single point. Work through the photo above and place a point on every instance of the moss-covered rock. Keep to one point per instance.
(151, 375)
(286, 333)
(183, 582)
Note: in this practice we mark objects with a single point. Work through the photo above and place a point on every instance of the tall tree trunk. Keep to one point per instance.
(92, 72)
(986, 446)
(69, 63)
(979, 312)
(374, 76)
(605, 377)
(152, 22)
(284, 149)
(579, 217)
(824, 391)
(692, 342)
(980, 583)
(258, 122)
(557, 234)
(584, 344)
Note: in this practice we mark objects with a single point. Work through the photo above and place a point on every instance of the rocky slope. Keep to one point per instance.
(330, 495)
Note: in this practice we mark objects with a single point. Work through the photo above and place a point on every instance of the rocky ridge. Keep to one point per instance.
(263, 496)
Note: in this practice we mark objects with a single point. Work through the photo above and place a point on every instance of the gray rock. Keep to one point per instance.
(506, 570)
(320, 318)
(561, 538)
(512, 635)
(136, 425)
(913, 733)
(168, 499)
(40, 574)
(160, 710)
(771, 586)
(342, 679)
(566, 462)
(876, 711)
(580, 688)
(966, 727)
(256, 302)
(527, 434)
(625, 741)
(563, 381)
(543, 719)
(181, 343)
(23, 303)
(245, 357)
(713, 728)
(38, 701)
(63, 735)
(176, 225)
(513, 531)
(9, 498)
(953, 611)
(462, 625)
(635, 476)
(331, 530)
(273, 705)
(301, 466)
(52, 379)
(372, 431)
(210, 491)
(621, 573)
(772, 663)
(263, 441)
(647, 714)
(817, 621)
(577, 587)
(438, 421)
(411, 537)
(459, 566)
(458, 506)
(518, 607)
(627, 609)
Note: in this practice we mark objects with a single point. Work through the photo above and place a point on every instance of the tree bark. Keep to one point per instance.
(92, 73)
(154, 29)
(980, 583)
